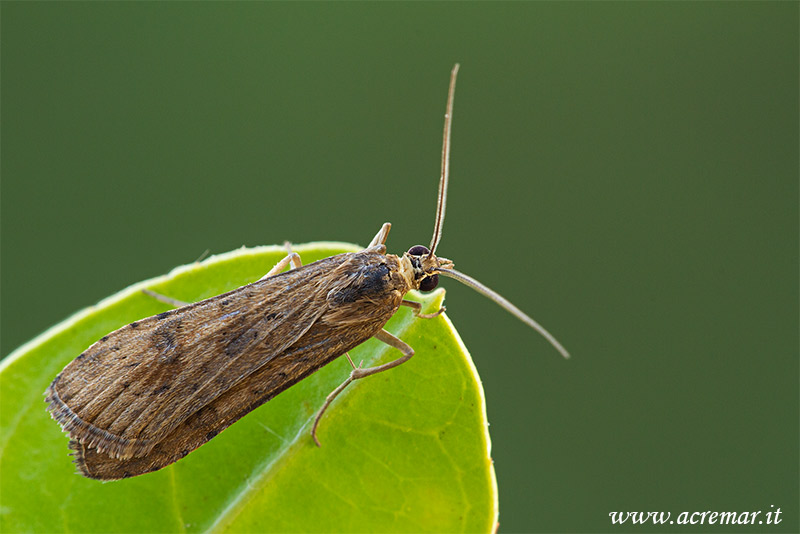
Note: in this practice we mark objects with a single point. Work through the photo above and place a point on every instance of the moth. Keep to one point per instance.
(148, 394)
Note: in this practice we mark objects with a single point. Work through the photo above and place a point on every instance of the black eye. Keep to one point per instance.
(418, 250)
(429, 282)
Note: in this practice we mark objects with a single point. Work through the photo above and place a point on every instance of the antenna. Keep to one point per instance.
(448, 124)
(499, 299)
(437, 232)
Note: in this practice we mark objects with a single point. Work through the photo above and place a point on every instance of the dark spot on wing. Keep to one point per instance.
(164, 315)
(374, 281)
(134, 324)
(163, 338)
(371, 283)
(241, 341)
(161, 390)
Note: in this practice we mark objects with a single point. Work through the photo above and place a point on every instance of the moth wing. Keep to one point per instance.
(133, 387)
(362, 289)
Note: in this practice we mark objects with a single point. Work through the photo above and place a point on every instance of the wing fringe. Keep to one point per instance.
(89, 435)
(78, 458)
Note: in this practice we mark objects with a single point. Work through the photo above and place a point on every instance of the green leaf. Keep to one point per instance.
(405, 450)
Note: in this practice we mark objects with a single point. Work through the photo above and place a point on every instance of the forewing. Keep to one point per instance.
(321, 344)
(136, 385)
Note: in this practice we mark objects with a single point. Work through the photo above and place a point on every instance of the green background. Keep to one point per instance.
(625, 172)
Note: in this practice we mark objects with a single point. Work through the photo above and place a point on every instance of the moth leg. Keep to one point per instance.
(292, 258)
(289, 250)
(380, 237)
(417, 307)
(203, 256)
(165, 299)
(358, 372)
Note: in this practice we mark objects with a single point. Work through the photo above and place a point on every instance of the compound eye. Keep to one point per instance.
(418, 250)
(429, 283)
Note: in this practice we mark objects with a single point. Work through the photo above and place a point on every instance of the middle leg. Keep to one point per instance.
(358, 372)
(292, 258)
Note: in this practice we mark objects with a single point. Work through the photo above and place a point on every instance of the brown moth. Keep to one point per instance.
(148, 394)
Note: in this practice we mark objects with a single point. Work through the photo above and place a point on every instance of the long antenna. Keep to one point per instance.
(448, 123)
(499, 299)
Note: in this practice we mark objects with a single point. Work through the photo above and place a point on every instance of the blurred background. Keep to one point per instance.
(627, 173)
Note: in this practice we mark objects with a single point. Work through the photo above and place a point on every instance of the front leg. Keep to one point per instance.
(417, 307)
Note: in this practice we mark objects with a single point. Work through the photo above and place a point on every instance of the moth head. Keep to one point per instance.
(425, 265)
